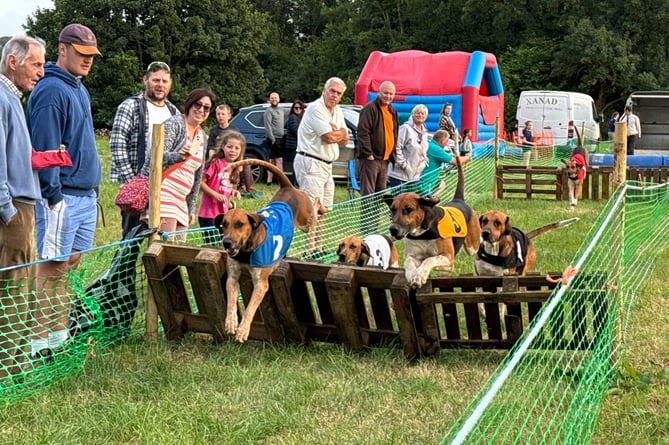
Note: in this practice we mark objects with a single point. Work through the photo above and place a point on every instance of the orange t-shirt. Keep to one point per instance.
(389, 131)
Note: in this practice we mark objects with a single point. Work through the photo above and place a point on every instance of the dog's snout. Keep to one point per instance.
(395, 232)
(342, 257)
(227, 243)
(485, 234)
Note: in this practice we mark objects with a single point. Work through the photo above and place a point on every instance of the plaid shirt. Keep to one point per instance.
(124, 139)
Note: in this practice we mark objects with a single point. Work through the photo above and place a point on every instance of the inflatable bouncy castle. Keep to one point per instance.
(470, 81)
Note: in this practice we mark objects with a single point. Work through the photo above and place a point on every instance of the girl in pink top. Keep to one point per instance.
(217, 182)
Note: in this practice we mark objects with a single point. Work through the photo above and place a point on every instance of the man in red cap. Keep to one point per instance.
(59, 113)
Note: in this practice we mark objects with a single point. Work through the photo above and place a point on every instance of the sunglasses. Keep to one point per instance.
(157, 66)
(200, 106)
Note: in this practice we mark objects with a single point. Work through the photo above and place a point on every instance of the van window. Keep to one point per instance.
(582, 110)
(555, 109)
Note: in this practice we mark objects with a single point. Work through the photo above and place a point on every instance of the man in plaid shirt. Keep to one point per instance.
(131, 133)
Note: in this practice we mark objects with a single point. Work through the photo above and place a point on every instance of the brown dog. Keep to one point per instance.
(258, 241)
(373, 250)
(434, 234)
(506, 250)
(576, 170)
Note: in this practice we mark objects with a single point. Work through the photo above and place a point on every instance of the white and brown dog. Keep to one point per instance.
(372, 250)
(434, 234)
(258, 241)
(506, 250)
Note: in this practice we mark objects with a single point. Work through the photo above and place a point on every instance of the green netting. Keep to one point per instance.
(548, 155)
(547, 391)
(549, 388)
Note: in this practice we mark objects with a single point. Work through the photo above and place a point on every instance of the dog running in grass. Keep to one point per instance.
(506, 250)
(576, 170)
(433, 234)
(258, 241)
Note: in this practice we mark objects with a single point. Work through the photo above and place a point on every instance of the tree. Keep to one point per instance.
(219, 51)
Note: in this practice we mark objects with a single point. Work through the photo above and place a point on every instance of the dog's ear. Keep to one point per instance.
(255, 220)
(388, 199)
(507, 227)
(218, 222)
(365, 254)
(428, 201)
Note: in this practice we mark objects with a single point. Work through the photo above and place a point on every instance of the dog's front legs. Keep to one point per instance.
(423, 273)
(260, 277)
(411, 264)
(232, 289)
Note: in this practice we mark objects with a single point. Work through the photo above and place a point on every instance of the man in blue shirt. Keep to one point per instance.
(59, 113)
(21, 66)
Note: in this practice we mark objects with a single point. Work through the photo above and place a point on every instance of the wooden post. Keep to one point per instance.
(619, 154)
(155, 180)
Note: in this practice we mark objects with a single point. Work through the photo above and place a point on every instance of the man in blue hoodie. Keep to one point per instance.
(21, 66)
(59, 112)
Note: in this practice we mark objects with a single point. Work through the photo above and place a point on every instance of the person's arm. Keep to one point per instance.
(119, 141)
(463, 160)
(46, 126)
(7, 209)
(268, 125)
(364, 139)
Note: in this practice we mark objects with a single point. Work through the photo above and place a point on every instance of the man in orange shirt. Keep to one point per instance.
(377, 135)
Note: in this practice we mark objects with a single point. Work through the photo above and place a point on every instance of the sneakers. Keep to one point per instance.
(46, 355)
(253, 194)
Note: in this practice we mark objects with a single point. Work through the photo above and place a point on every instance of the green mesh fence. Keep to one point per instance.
(97, 303)
(548, 390)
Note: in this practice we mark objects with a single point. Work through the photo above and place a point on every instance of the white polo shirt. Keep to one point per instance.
(315, 123)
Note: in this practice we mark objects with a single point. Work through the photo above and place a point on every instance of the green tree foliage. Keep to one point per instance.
(245, 49)
(212, 43)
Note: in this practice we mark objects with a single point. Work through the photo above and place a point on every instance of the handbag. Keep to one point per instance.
(51, 158)
(133, 196)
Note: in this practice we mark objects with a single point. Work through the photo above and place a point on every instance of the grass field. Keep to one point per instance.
(155, 392)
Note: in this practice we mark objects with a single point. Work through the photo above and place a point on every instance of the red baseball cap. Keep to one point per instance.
(81, 38)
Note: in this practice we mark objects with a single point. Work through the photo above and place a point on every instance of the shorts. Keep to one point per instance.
(68, 227)
(315, 178)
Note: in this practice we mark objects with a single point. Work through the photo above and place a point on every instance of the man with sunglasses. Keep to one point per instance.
(132, 130)
(59, 113)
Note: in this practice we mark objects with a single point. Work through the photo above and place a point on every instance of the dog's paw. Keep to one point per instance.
(242, 333)
(231, 324)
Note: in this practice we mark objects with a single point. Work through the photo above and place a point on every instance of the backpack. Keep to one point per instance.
(110, 301)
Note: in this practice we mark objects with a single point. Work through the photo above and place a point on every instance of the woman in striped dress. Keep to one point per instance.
(183, 156)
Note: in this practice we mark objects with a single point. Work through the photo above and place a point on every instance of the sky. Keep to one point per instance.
(14, 14)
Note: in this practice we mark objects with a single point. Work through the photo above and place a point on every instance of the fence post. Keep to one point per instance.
(155, 180)
(619, 154)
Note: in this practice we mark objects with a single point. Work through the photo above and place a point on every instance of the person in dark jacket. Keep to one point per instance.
(290, 138)
(377, 136)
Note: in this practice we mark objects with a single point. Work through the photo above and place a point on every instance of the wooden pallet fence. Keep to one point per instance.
(551, 182)
(355, 306)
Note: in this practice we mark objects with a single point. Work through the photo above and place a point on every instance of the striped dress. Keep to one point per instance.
(179, 184)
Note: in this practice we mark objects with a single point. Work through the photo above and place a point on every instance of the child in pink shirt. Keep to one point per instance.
(218, 183)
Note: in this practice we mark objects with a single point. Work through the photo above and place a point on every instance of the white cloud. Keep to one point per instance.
(14, 14)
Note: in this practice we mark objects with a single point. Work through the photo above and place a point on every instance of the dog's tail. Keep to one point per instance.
(278, 173)
(552, 226)
(460, 187)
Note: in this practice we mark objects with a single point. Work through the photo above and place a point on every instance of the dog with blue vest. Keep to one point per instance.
(258, 241)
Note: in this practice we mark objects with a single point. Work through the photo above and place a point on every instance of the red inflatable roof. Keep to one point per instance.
(416, 72)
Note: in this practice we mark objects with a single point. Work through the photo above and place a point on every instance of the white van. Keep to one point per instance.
(559, 112)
